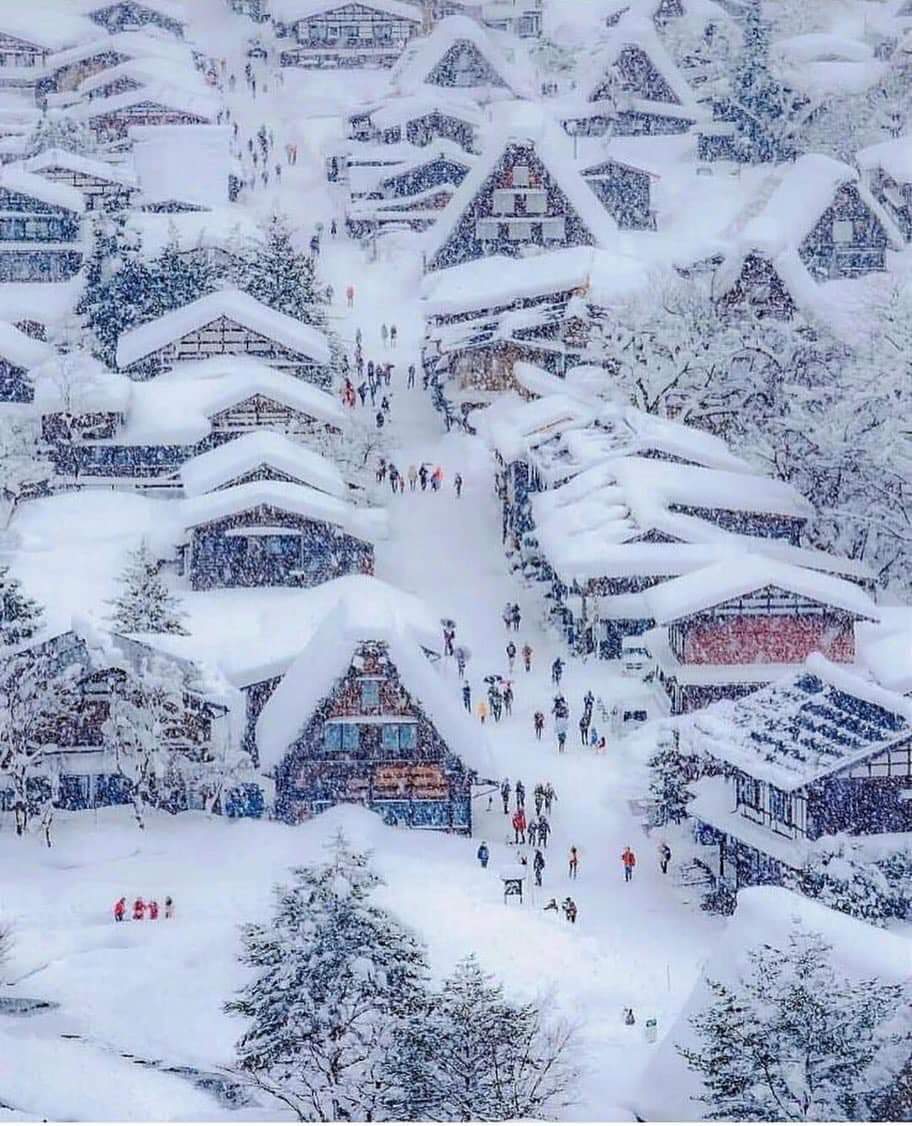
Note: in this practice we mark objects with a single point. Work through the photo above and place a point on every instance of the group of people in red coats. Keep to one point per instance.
(141, 908)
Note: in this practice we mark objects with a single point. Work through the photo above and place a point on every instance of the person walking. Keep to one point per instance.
(573, 860)
(519, 827)
(333, 228)
(532, 833)
(120, 908)
(350, 296)
(628, 859)
(505, 794)
(462, 657)
(544, 831)
(511, 655)
(539, 795)
(570, 911)
(520, 791)
(550, 796)
(169, 907)
(584, 729)
(467, 697)
(378, 418)
(561, 738)
(538, 867)
(384, 335)
(483, 855)
(139, 909)
(527, 657)
(393, 335)
(539, 720)
(153, 909)
(508, 698)
(516, 617)
(423, 477)
(664, 857)
(557, 670)
(436, 479)
(411, 376)
(482, 710)
(457, 485)
(394, 478)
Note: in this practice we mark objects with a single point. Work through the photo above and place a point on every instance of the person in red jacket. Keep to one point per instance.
(519, 826)
(120, 908)
(139, 909)
(628, 859)
(153, 909)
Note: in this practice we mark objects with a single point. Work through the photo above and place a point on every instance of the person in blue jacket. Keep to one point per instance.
(483, 854)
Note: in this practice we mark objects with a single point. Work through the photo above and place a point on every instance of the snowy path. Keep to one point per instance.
(630, 945)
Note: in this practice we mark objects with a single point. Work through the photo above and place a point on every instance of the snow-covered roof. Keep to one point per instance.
(806, 727)
(177, 407)
(261, 448)
(163, 93)
(37, 187)
(173, 9)
(520, 123)
(147, 42)
(712, 586)
(216, 228)
(765, 916)
(414, 67)
(44, 302)
(398, 110)
(147, 70)
(365, 617)
(186, 162)
(79, 383)
(50, 159)
(290, 11)
(233, 304)
(893, 156)
(822, 63)
(299, 500)
(21, 350)
(46, 23)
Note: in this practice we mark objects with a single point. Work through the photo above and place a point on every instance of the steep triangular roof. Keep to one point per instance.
(461, 56)
(519, 139)
(260, 449)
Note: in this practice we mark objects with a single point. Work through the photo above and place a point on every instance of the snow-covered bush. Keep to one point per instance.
(840, 875)
(794, 1040)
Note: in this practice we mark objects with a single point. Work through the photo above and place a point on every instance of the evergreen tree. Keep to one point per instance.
(281, 277)
(24, 469)
(176, 279)
(337, 977)
(474, 1055)
(840, 875)
(670, 771)
(20, 616)
(794, 1041)
(58, 130)
(145, 605)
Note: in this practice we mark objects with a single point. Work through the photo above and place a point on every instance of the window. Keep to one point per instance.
(487, 230)
(536, 202)
(843, 231)
(504, 202)
(521, 175)
(341, 737)
(520, 231)
(780, 806)
(370, 695)
(399, 737)
(554, 230)
(389, 737)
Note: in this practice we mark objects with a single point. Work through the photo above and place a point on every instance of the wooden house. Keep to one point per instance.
(129, 15)
(225, 323)
(420, 120)
(822, 752)
(760, 283)
(112, 118)
(887, 171)
(366, 33)
(145, 438)
(523, 196)
(21, 60)
(461, 56)
(625, 192)
(725, 631)
(85, 774)
(69, 68)
(19, 353)
(102, 184)
(362, 716)
(40, 228)
(413, 192)
(519, 17)
(273, 532)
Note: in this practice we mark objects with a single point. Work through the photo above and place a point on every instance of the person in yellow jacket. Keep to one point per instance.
(482, 710)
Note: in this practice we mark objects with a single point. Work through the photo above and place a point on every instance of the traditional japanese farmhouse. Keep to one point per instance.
(414, 192)
(887, 172)
(102, 184)
(69, 68)
(823, 751)
(729, 629)
(275, 533)
(226, 323)
(19, 353)
(625, 192)
(85, 771)
(40, 228)
(22, 59)
(459, 55)
(140, 435)
(363, 716)
(523, 196)
(633, 86)
(418, 119)
(127, 15)
(323, 33)
(161, 104)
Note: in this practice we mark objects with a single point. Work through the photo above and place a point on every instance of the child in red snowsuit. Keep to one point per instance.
(139, 909)
(153, 909)
(519, 826)
(119, 908)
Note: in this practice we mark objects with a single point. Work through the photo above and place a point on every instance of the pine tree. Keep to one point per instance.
(281, 277)
(840, 875)
(176, 279)
(794, 1041)
(145, 605)
(20, 616)
(670, 772)
(58, 130)
(337, 976)
(474, 1055)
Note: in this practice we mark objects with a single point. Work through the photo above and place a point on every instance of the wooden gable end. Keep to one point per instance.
(259, 412)
(18, 201)
(464, 66)
(760, 288)
(638, 75)
(847, 240)
(264, 472)
(15, 44)
(518, 204)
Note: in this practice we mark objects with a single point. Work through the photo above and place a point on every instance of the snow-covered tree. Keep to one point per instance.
(23, 467)
(20, 616)
(839, 874)
(144, 603)
(153, 734)
(336, 978)
(38, 702)
(475, 1055)
(57, 129)
(280, 276)
(177, 278)
(671, 770)
(793, 1040)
